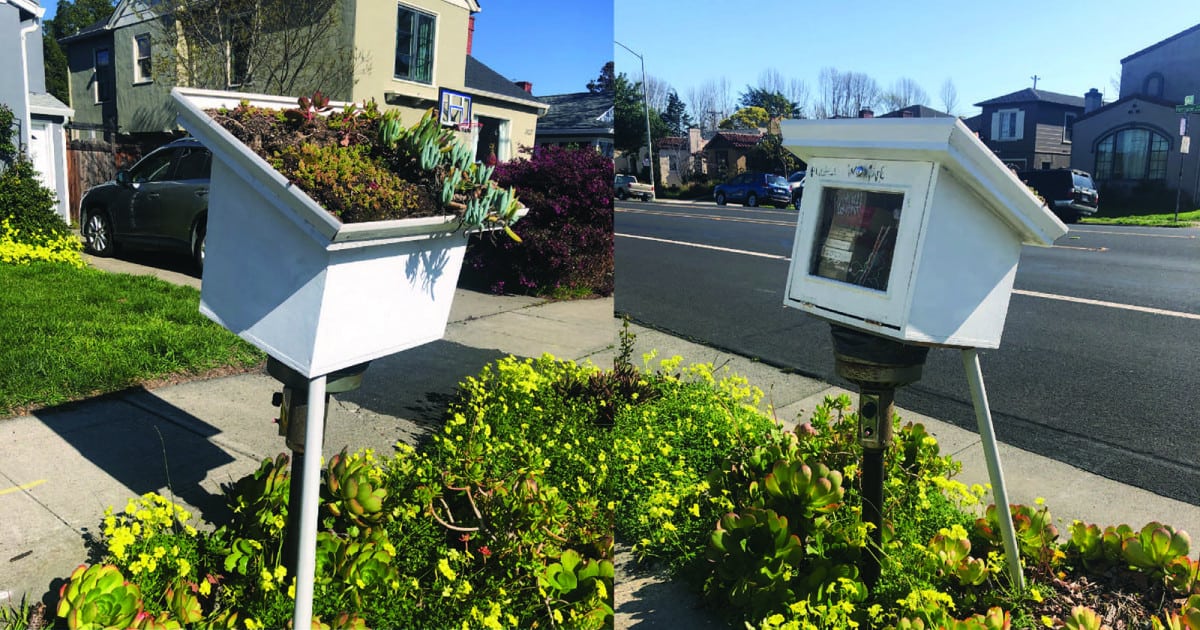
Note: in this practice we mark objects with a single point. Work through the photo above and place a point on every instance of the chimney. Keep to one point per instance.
(525, 85)
(470, 34)
(694, 140)
(1092, 101)
(866, 113)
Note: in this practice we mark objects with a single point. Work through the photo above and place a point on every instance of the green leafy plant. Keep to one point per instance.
(355, 489)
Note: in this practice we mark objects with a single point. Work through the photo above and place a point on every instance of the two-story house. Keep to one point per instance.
(1132, 146)
(1030, 129)
(38, 116)
(407, 55)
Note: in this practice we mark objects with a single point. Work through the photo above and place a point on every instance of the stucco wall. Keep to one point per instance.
(1178, 61)
(375, 30)
(12, 83)
(1137, 113)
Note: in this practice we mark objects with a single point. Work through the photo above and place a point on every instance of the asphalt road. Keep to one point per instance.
(1098, 366)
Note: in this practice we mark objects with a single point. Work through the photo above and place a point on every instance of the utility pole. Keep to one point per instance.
(1035, 80)
(646, 109)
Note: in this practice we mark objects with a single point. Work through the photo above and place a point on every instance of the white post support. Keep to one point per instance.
(306, 563)
(987, 434)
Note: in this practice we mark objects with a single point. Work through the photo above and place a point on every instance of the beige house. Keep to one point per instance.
(411, 55)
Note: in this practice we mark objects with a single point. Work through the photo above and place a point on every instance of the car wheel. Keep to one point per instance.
(622, 195)
(98, 234)
(198, 242)
(720, 198)
(752, 200)
(647, 198)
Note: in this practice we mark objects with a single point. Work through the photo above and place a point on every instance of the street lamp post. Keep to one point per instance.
(646, 109)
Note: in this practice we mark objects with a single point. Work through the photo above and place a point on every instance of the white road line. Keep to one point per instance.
(1127, 307)
(1046, 296)
(712, 247)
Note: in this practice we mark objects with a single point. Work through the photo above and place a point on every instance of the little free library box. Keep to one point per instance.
(909, 229)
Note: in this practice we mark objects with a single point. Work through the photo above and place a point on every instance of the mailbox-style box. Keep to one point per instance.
(909, 229)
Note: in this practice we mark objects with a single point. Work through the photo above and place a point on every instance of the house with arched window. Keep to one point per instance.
(1132, 146)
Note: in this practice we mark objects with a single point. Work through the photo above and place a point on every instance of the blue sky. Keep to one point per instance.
(558, 45)
(987, 49)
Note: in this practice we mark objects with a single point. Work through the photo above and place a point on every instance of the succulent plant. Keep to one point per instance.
(356, 489)
(98, 596)
(1155, 547)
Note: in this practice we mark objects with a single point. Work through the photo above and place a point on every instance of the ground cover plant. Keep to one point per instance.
(507, 518)
(567, 237)
(69, 333)
(361, 164)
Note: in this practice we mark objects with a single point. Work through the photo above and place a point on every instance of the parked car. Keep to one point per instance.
(1069, 193)
(159, 203)
(796, 187)
(752, 189)
(626, 186)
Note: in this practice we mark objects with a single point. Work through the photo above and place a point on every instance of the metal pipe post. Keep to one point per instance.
(987, 434)
(875, 409)
(310, 502)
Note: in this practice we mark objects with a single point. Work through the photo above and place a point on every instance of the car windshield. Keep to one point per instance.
(776, 180)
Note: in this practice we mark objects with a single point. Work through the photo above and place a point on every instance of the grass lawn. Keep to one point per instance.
(1186, 219)
(68, 334)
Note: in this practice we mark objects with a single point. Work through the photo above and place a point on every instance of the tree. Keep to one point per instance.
(629, 117)
(69, 18)
(775, 103)
(771, 156)
(273, 46)
(747, 118)
(904, 92)
(675, 116)
(949, 95)
(657, 92)
(845, 94)
(711, 103)
(604, 82)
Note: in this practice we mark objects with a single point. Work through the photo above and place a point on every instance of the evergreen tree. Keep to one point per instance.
(776, 104)
(603, 83)
(676, 117)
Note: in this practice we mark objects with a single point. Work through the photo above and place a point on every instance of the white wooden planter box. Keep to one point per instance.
(290, 278)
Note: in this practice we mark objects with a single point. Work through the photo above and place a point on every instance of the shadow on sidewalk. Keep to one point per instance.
(417, 385)
(144, 444)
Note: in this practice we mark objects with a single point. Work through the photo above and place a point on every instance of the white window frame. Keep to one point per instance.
(1008, 125)
(418, 12)
(138, 75)
(100, 75)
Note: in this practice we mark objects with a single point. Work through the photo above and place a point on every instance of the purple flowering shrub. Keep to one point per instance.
(567, 237)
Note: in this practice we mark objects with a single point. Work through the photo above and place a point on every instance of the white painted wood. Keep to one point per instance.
(288, 277)
(957, 244)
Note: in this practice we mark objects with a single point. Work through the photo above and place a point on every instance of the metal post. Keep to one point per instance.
(987, 434)
(876, 405)
(310, 501)
(646, 109)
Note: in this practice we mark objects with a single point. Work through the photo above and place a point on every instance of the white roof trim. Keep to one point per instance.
(33, 7)
(540, 106)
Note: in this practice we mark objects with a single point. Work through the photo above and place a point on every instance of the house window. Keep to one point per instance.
(1153, 85)
(1008, 124)
(103, 79)
(414, 45)
(141, 59)
(1068, 125)
(1138, 154)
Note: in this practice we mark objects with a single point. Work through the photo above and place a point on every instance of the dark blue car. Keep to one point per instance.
(753, 189)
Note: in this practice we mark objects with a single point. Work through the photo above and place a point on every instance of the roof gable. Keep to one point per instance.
(578, 110)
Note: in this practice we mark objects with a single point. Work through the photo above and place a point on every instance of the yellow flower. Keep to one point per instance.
(444, 569)
(205, 587)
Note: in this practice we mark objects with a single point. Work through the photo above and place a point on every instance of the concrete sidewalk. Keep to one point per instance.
(60, 468)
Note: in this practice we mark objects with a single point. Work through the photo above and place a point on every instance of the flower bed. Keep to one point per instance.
(507, 519)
